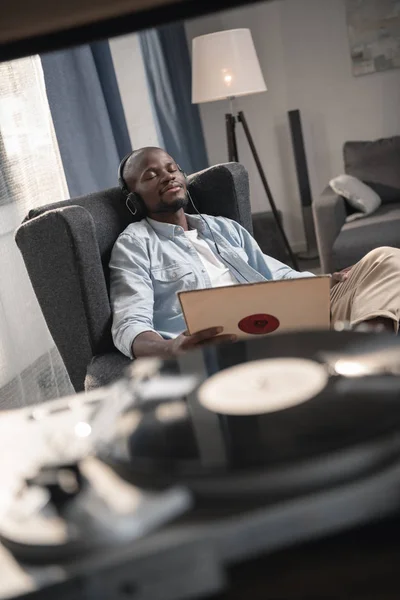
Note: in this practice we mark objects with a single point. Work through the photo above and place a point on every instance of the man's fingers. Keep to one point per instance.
(205, 334)
(221, 339)
(344, 276)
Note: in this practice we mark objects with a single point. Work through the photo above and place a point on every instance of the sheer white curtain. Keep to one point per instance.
(31, 174)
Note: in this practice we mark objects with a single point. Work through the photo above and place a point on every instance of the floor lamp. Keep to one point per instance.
(225, 66)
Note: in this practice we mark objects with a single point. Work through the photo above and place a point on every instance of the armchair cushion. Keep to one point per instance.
(105, 369)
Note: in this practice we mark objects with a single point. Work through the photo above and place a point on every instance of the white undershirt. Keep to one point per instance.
(218, 273)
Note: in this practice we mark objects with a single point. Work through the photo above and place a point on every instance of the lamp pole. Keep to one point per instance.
(230, 122)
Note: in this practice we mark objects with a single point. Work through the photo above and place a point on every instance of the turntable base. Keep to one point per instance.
(201, 556)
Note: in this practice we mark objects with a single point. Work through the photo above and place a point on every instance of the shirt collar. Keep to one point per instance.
(170, 231)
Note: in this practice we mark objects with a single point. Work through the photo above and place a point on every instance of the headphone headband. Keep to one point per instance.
(121, 180)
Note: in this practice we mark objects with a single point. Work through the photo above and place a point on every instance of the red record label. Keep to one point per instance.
(259, 324)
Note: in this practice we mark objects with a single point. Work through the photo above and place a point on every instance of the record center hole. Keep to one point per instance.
(127, 589)
(261, 323)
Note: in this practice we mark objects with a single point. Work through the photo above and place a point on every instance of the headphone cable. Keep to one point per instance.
(213, 237)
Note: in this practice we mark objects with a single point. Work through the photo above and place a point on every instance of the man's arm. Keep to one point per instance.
(270, 267)
(131, 292)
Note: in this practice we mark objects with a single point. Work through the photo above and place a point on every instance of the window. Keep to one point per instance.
(31, 175)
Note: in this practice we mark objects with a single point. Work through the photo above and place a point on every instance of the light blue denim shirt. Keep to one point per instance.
(152, 261)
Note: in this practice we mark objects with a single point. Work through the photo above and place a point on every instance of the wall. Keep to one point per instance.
(304, 53)
(131, 77)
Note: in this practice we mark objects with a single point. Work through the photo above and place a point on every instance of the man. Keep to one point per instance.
(169, 251)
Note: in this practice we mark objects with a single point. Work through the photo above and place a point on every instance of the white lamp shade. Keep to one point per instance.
(224, 65)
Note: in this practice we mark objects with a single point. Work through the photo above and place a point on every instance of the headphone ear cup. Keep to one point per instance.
(135, 205)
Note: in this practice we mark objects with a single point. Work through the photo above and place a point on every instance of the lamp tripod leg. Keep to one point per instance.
(242, 120)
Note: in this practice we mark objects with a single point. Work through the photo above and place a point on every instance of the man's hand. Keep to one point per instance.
(185, 342)
(340, 276)
(149, 343)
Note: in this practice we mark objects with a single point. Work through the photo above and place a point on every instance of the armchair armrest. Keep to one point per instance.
(62, 257)
(329, 214)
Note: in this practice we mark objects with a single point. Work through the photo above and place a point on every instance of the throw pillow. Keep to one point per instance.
(359, 195)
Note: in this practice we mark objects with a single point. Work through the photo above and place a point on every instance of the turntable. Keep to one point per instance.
(188, 466)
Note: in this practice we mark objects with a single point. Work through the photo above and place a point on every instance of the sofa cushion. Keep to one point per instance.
(359, 237)
(377, 164)
(360, 196)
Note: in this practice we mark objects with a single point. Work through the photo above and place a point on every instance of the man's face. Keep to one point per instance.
(156, 178)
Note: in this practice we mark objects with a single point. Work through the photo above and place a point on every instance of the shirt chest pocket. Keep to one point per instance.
(172, 279)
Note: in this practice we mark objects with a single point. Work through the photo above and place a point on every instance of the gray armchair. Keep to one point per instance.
(66, 248)
(342, 244)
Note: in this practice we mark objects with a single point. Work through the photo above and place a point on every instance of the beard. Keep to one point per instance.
(172, 206)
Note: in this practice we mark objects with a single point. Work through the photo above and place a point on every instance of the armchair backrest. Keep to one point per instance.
(66, 248)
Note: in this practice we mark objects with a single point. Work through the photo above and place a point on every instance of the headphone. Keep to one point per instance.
(133, 201)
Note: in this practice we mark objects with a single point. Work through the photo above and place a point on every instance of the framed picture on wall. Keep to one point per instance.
(374, 34)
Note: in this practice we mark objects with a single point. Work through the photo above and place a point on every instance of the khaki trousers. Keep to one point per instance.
(371, 290)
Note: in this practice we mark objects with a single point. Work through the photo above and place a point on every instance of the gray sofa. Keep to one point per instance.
(66, 247)
(342, 244)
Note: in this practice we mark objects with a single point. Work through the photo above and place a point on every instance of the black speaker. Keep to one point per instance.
(303, 181)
